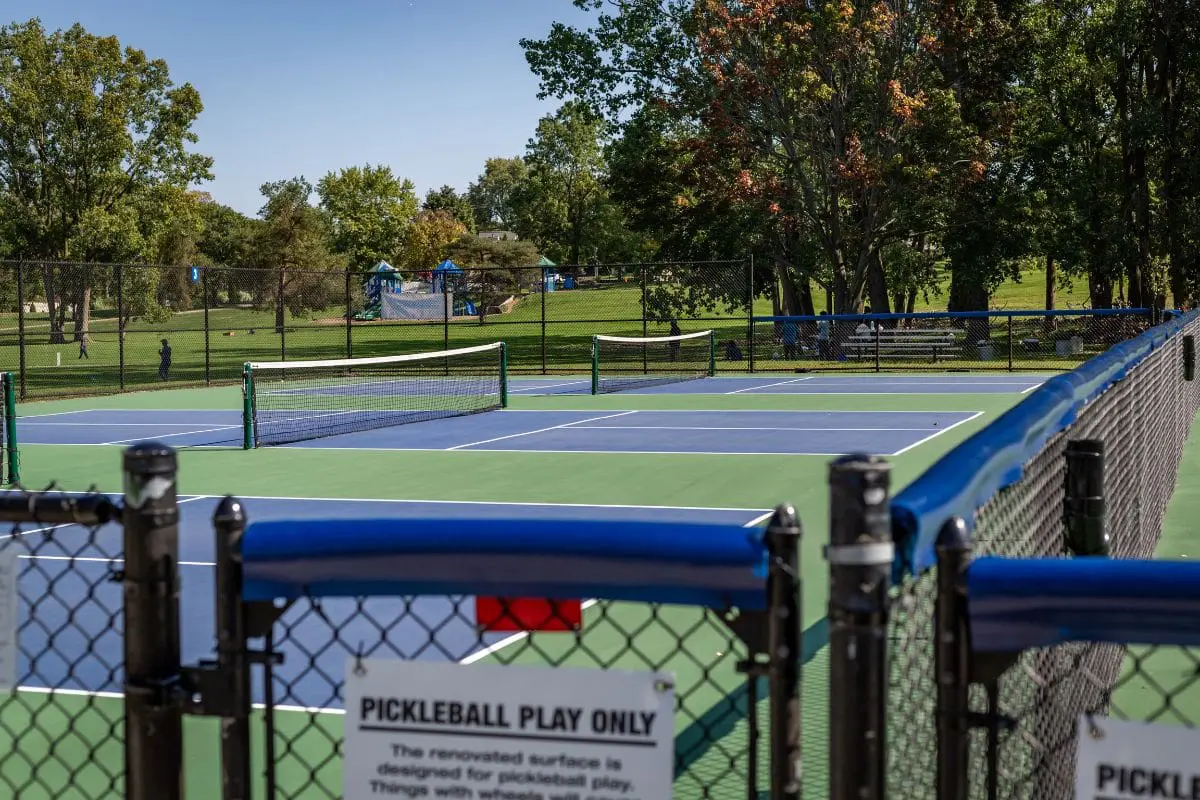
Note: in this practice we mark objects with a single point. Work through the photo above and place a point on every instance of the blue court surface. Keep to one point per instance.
(77, 642)
(726, 432)
(822, 383)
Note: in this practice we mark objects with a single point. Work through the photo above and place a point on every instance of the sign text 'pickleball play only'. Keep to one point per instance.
(426, 729)
(1122, 760)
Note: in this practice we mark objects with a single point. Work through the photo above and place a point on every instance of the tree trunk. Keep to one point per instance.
(968, 293)
(1048, 324)
(49, 282)
(877, 285)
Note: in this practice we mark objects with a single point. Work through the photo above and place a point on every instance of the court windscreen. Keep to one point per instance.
(622, 363)
(292, 401)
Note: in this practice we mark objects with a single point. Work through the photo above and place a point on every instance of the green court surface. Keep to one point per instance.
(64, 741)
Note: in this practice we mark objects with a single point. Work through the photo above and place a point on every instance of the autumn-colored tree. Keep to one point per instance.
(429, 238)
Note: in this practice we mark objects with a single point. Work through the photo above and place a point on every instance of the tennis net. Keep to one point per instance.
(291, 401)
(10, 472)
(620, 363)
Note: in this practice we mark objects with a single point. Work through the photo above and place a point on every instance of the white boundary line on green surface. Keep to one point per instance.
(903, 450)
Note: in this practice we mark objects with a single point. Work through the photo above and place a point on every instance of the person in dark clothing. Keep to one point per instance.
(674, 346)
(732, 351)
(83, 343)
(164, 364)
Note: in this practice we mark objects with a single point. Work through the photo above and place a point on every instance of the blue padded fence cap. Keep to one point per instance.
(1021, 603)
(629, 560)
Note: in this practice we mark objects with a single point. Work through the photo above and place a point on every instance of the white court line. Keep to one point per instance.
(549, 386)
(169, 435)
(516, 637)
(555, 452)
(939, 433)
(539, 430)
(732, 428)
(107, 424)
(768, 385)
(55, 414)
(1031, 388)
(120, 696)
(113, 560)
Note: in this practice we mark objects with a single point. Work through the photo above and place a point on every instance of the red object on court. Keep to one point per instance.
(512, 614)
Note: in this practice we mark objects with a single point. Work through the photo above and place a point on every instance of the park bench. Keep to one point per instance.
(911, 342)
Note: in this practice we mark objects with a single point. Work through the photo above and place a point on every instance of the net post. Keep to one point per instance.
(952, 662)
(247, 407)
(712, 354)
(153, 715)
(860, 555)
(503, 375)
(10, 471)
(1084, 507)
(595, 365)
(784, 635)
(229, 524)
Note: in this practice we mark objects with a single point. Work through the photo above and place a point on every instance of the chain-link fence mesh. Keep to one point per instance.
(995, 340)
(316, 636)
(1143, 421)
(94, 328)
(62, 715)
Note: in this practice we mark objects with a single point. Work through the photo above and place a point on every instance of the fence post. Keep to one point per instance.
(281, 315)
(876, 329)
(229, 523)
(951, 663)
(860, 561)
(784, 632)
(750, 314)
(153, 718)
(21, 325)
(207, 343)
(349, 318)
(1010, 343)
(1084, 510)
(121, 325)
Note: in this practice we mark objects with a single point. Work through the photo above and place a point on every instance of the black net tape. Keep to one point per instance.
(1144, 421)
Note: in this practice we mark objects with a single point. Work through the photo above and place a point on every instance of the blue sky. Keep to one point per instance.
(430, 87)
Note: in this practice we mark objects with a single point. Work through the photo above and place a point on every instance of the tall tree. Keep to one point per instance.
(429, 239)
(493, 196)
(300, 271)
(84, 125)
(456, 205)
(370, 209)
(564, 193)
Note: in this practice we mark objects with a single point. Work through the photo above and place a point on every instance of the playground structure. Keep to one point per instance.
(447, 293)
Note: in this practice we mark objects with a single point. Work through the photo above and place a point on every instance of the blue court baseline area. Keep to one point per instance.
(879, 384)
(73, 634)
(678, 432)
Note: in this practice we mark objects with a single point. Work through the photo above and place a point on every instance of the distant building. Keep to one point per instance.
(499, 236)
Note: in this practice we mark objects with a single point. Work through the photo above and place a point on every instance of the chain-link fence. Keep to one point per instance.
(974, 340)
(69, 328)
(1099, 484)
(61, 600)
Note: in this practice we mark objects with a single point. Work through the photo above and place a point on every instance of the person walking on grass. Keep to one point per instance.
(164, 363)
(83, 343)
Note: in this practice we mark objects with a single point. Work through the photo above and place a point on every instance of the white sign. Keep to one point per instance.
(10, 608)
(426, 729)
(1118, 760)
